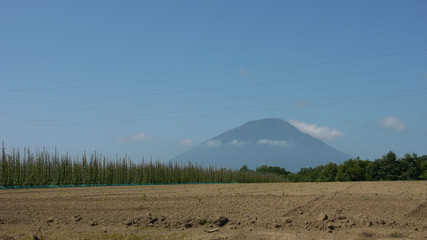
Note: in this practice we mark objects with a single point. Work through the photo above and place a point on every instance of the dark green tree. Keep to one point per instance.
(328, 173)
(385, 168)
(244, 168)
(271, 169)
(410, 167)
(352, 170)
(423, 167)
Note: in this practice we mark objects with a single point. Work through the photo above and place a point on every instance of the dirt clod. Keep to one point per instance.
(322, 217)
(221, 221)
(76, 218)
(203, 221)
(154, 220)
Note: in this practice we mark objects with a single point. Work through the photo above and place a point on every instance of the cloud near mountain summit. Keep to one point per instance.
(323, 133)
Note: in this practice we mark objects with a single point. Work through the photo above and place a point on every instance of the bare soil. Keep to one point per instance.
(354, 210)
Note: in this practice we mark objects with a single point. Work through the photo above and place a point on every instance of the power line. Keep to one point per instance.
(212, 114)
(219, 88)
(242, 107)
(226, 67)
(213, 99)
(204, 76)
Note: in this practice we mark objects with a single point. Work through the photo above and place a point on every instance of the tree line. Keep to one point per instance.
(387, 168)
(29, 168)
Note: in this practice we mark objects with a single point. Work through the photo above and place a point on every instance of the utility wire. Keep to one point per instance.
(199, 77)
(217, 88)
(209, 99)
(219, 68)
(212, 114)
(412, 91)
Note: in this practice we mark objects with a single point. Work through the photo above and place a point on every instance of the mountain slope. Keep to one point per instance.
(271, 141)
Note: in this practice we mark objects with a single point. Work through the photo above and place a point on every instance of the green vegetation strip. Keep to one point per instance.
(103, 185)
(29, 169)
(45, 170)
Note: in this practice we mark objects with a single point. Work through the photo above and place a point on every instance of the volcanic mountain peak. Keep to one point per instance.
(269, 128)
(269, 141)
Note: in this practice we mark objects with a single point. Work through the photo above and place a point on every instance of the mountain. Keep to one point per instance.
(270, 141)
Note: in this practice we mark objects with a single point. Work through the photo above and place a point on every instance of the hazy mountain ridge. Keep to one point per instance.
(268, 141)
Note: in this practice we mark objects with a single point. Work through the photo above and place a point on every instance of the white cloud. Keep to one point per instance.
(282, 143)
(141, 136)
(392, 122)
(186, 142)
(213, 143)
(323, 133)
(237, 143)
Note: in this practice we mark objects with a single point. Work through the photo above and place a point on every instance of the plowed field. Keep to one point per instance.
(354, 210)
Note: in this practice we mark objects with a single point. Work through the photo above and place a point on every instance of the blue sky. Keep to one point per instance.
(155, 78)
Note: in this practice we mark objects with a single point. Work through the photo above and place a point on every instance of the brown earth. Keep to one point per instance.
(354, 210)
